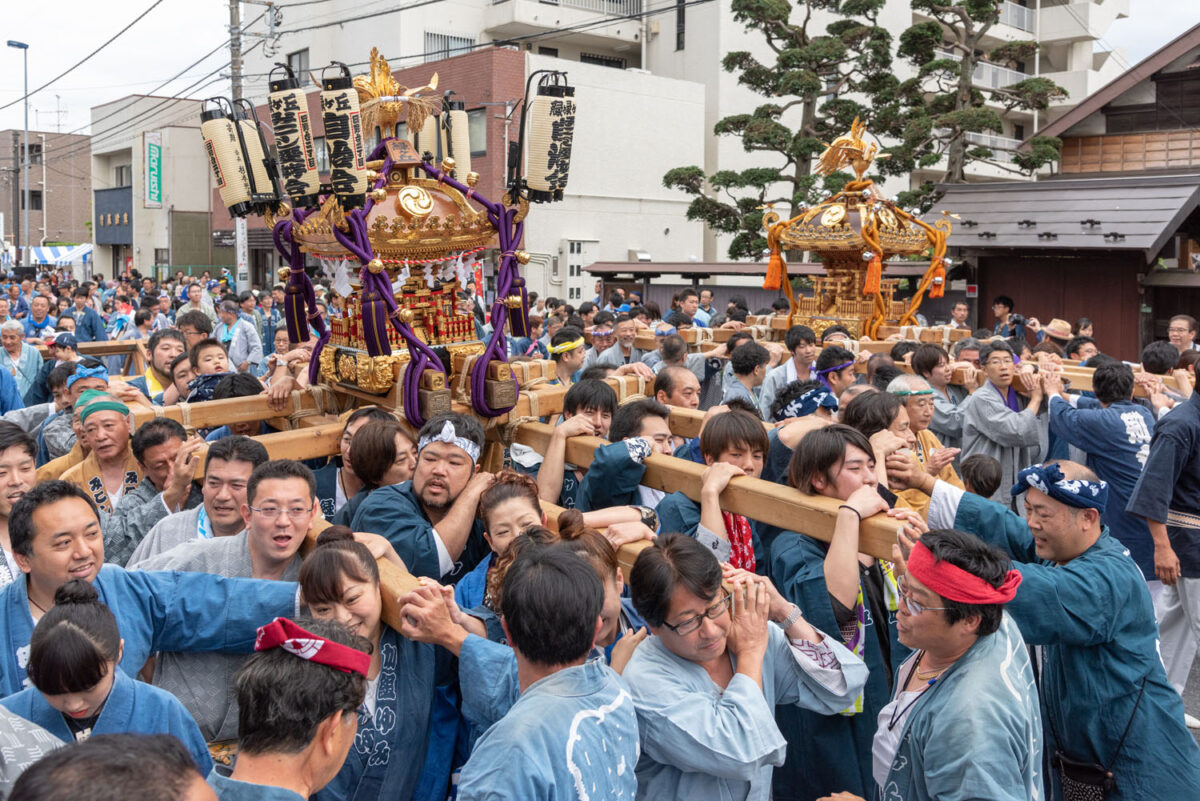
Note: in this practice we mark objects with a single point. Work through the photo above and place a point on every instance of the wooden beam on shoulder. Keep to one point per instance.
(210, 414)
(300, 445)
(754, 498)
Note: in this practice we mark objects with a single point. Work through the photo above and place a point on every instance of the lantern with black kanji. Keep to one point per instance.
(344, 137)
(223, 147)
(551, 119)
(293, 139)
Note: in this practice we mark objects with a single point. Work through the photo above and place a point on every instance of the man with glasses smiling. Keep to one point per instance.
(279, 507)
(963, 721)
(1106, 700)
(227, 469)
(1000, 423)
(706, 684)
(603, 338)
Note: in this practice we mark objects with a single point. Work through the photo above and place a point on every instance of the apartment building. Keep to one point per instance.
(651, 59)
(59, 189)
(151, 186)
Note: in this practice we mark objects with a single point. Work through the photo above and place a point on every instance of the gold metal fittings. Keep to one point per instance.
(414, 202)
(375, 266)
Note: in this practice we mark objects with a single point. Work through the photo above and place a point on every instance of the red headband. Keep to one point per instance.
(283, 633)
(955, 584)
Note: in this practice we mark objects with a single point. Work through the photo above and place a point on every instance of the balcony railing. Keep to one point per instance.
(1003, 147)
(613, 7)
(988, 75)
(1017, 16)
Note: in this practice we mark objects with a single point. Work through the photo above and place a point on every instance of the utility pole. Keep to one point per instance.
(24, 48)
(241, 246)
(16, 173)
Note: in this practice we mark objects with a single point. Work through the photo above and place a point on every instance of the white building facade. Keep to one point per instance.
(650, 88)
(151, 186)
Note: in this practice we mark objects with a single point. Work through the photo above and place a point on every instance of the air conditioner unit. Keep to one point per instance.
(637, 254)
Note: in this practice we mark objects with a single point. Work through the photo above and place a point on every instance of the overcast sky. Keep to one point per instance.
(178, 32)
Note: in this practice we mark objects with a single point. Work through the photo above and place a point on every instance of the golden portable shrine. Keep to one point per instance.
(854, 232)
(402, 227)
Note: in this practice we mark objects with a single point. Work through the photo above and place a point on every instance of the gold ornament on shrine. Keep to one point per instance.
(854, 232)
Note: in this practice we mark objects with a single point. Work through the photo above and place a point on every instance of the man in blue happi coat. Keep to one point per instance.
(573, 733)
(1115, 433)
(298, 700)
(56, 536)
(1105, 696)
(430, 520)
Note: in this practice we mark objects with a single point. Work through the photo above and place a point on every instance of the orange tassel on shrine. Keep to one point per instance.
(775, 271)
(872, 285)
(937, 286)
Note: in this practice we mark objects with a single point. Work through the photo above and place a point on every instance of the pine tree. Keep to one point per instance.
(826, 75)
(938, 107)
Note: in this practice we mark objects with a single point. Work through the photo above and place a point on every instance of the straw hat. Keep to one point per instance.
(1058, 329)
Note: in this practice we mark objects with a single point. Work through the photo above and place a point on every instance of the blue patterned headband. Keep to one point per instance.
(1049, 479)
(809, 402)
(87, 372)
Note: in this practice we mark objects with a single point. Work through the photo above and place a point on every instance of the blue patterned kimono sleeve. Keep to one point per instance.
(487, 675)
(614, 475)
(203, 612)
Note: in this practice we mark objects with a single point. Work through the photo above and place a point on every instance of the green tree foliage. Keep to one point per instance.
(935, 110)
(824, 75)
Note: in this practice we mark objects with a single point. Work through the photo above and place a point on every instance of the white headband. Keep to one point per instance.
(450, 437)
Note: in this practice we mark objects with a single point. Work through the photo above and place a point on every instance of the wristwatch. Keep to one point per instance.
(649, 517)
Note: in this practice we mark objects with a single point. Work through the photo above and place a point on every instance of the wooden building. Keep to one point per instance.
(1114, 234)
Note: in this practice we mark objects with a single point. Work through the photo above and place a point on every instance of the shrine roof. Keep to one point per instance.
(1136, 213)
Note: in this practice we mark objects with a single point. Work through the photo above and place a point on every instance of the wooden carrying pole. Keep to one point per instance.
(213, 413)
(134, 351)
(754, 498)
(298, 445)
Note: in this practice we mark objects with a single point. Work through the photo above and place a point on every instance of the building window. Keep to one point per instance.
(603, 61)
(477, 130)
(298, 62)
(548, 51)
(123, 175)
(35, 200)
(322, 153)
(162, 256)
(444, 45)
(1019, 132)
(35, 154)
(680, 23)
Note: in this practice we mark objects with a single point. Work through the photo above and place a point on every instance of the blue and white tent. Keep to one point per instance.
(59, 255)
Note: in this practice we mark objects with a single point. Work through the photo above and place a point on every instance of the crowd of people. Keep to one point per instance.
(161, 636)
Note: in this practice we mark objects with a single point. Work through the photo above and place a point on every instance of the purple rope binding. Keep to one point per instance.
(501, 219)
(300, 303)
(379, 302)
(383, 305)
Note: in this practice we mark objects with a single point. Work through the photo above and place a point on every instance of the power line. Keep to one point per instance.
(85, 59)
(141, 115)
(583, 26)
(343, 21)
(174, 77)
